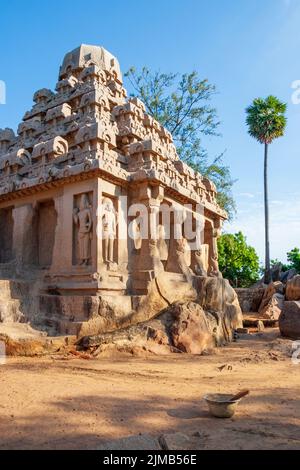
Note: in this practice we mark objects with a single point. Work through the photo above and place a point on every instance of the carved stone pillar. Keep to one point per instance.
(215, 232)
(148, 263)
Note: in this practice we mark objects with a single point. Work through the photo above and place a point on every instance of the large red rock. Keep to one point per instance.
(289, 320)
(191, 331)
(273, 309)
(216, 296)
(293, 288)
(201, 316)
(272, 289)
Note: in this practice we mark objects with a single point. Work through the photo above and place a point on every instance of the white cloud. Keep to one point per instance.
(277, 203)
(249, 195)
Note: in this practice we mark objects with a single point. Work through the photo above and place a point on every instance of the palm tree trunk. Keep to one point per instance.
(267, 241)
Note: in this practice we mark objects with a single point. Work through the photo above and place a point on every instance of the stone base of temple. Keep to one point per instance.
(86, 283)
(46, 307)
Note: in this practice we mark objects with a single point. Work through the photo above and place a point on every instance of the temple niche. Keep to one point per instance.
(109, 233)
(6, 235)
(83, 223)
(90, 191)
(46, 226)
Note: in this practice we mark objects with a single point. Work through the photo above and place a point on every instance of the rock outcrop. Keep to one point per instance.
(293, 288)
(217, 297)
(190, 326)
(276, 287)
(193, 330)
(289, 320)
(273, 308)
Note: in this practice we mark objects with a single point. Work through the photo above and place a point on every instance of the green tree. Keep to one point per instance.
(182, 105)
(238, 261)
(266, 122)
(293, 257)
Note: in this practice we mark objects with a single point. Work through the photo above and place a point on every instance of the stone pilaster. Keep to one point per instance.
(148, 264)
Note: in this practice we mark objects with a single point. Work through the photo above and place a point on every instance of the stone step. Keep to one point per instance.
(10, 310)
(82, 307)
(250, 321)
(69, 307)
(5, 289)
(14, 289)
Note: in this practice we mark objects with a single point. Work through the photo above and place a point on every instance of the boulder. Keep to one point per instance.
(293, 288)
(272, 289)
(216, 296)
(115, 313)
(289, 320)
(200, 317)
(193, 330)
(287, 275)
(273, 308)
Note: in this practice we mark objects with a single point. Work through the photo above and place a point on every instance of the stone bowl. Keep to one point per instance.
(220, 405)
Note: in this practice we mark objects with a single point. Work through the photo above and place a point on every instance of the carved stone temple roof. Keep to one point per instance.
(86, 127)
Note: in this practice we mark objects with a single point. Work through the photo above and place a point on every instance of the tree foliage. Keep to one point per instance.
(182, 105)
(293, 261)
(266, 119)
(238, 261)
(293, 257)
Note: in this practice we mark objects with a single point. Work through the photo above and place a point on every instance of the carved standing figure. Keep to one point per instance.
(109, 230)
(83, 219)
(213, 270)
(162, 244)
(199, 267)
(137, 232)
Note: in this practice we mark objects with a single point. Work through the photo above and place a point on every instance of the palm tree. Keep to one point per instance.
(266, 122)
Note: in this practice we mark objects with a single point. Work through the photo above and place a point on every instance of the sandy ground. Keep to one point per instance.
(56, 403)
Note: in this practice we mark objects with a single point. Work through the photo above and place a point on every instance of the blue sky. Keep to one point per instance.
(247, 48)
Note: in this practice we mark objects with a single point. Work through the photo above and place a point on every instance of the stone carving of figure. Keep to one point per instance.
(83, 219)
(155, 256)
(109, 230)
(213, 270)
(178, 259)
(162, 244)
(199, 267)
(136, 232)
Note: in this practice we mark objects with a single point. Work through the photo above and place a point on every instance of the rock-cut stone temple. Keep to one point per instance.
(86, 164)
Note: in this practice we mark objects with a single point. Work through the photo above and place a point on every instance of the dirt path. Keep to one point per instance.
(78, 404)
